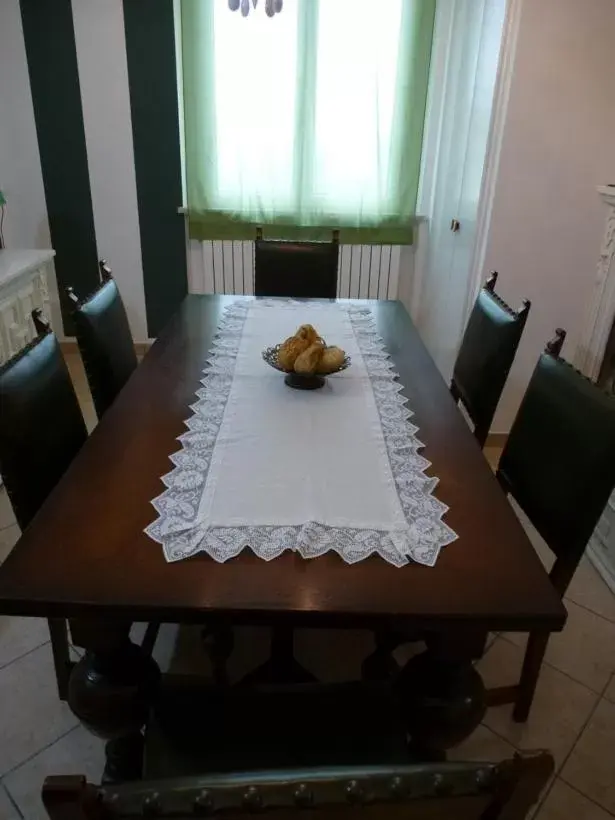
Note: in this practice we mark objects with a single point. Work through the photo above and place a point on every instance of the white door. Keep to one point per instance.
(464, 69)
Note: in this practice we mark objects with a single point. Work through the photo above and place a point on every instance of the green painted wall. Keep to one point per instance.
(52, 64)
(152, 78)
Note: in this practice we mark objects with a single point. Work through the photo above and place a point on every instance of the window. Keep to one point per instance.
(307, 121)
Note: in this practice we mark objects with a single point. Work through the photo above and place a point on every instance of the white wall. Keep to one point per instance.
(103, 79)
(25, 223)
(558, 145)
(20, 167)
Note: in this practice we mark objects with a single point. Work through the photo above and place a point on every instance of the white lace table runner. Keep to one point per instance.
(271, 468)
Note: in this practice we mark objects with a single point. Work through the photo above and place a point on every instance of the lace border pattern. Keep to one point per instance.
(181, 536)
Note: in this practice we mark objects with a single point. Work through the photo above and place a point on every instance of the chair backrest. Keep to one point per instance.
(41, 426)
(104, 339)
(302, 269)
(486, 354)
(559, 459)
(465, 791)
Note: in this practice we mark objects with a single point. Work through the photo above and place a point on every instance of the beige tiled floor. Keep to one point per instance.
(573, 714)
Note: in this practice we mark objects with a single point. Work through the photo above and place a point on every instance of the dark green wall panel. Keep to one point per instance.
(150, 51)
(54, 80)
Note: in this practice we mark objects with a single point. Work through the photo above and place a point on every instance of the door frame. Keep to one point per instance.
(436, 101)
(501, 96)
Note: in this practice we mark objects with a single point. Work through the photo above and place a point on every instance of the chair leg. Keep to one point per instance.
(534, 653)
(58, 632)
(219, 642)
(150, 637)
(480, 434)
(380, 665)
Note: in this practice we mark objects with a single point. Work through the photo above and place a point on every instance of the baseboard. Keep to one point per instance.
(70, 346)
(496, 440)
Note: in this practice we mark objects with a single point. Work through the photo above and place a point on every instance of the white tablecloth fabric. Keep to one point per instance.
(273, 468)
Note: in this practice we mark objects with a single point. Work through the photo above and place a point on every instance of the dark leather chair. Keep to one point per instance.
(465, 791)
(305, 270)
(104, 339)
(559, 466)
(41, 431)
(485, 357)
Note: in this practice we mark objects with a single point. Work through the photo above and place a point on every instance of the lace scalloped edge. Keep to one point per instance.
(177, 507)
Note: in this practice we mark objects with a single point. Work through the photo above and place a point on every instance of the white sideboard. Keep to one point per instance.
(23, 287)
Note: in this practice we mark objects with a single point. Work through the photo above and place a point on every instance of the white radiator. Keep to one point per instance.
(364, 271)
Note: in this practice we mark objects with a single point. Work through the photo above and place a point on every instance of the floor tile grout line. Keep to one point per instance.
(578, 737)
(38, 752)
(557, 774)
(586, 796)
(25, 654)
(559, 769)
(543, 797)
(557, 669)
(587, 609)
(11, 800)
(502, 737)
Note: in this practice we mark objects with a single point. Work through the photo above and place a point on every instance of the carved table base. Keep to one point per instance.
(110, 691)
(442, 702)
(439, 694)
(281, 667)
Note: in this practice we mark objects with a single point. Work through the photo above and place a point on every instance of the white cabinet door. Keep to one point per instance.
(461, 98)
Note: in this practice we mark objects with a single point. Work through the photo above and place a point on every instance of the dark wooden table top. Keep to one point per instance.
(86, 555)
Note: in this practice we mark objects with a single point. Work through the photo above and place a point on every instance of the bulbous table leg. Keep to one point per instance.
(110, 691)
(219, 641)
(442, 696)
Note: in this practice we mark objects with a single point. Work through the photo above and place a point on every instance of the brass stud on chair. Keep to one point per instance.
(151, 805)
(396, 788)
(440, 786)
(482, 779)
(203, 803)
(303, 796)
(354, 792)
(111, 801)
(252, 799)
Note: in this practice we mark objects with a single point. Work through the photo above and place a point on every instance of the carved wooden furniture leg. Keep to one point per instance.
(285, 668)
(219, 642)
(534, 653)
(151, 636)
(442, 696)
(282, 666)
(381, 665)
(110, 691)
(58, 632)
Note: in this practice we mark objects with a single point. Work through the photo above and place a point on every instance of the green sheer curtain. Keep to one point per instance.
(306, 122)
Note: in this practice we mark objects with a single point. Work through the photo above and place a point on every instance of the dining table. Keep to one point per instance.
(87, 558)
